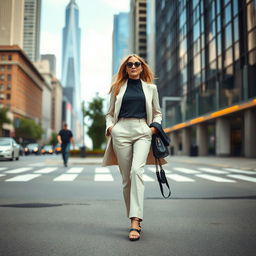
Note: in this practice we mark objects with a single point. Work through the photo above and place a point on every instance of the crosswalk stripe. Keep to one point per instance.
(103, 177)
(24, 177)
(240, 171)
(102, 170)
(1, 175)
(242, 177)
(179, 178)
(214, 178)
(66, 177)
(185, 170)
(75, 170)
(2, 168)
(153, 169)
(46, 170)
(37, 164)
(19, 170)
(147, 178)
(213, 170)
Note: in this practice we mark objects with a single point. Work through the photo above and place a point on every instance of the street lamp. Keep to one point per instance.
(164, 99)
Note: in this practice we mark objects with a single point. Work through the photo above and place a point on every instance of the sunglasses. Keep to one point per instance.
(130, 64)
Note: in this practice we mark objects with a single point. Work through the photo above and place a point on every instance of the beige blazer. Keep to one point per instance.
(153, 115)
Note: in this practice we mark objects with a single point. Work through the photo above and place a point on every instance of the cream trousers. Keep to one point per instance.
(131, 142)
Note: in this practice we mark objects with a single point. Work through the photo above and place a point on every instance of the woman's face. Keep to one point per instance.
(133, 68)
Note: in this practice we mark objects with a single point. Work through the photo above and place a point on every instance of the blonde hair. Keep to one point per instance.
(121, 76)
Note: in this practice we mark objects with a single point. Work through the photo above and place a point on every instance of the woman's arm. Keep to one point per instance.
(110, 114)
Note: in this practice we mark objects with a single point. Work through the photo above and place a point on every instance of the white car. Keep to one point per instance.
(9, 149)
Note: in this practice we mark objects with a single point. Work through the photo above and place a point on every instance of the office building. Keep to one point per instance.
(31, 34)
(52, 61)
(21, 85)
(11, 22)
(120, 39)
(138, 27)
(206, 65)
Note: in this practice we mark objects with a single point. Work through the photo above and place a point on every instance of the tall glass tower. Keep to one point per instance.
(71, 57)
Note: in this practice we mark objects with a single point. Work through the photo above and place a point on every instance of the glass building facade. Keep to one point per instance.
(206, 55)
(120, 39)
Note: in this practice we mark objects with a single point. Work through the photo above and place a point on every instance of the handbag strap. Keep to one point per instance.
(162, 178)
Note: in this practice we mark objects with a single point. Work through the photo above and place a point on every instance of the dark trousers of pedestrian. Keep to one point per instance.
(65, 152)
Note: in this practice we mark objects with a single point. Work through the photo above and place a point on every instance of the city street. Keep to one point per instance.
(48, 209)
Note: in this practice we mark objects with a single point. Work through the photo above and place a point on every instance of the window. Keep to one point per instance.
(2, 68)
(228, 36)
(2, 57)
(9, 86)
(236, 29)
(235, 7)
(227, 14)
(1, 87)
(2, 96)
(8, 96)
(1, 77)
(252, 40)
(9, 57)
(212, 50)
(228, 57)
(9, 77)
(9, 67)
(237, 51)
(251, 16)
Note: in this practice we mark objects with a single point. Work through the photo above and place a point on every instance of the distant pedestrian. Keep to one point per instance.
(65, 137)
(134, 105)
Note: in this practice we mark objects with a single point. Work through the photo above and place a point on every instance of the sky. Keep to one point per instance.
(96, 23)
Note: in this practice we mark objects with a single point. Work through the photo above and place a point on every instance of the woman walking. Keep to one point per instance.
(134, 105)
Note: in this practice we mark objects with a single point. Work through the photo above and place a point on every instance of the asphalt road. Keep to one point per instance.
(79, 211)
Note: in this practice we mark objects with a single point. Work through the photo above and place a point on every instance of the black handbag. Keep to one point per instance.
(160, 150)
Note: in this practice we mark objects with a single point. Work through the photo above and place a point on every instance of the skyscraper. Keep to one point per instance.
(71, 56)
(11, 22)
(31, 34)
(120, 39)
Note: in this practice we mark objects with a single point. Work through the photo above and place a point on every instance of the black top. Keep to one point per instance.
(133, 102)
(65, 135)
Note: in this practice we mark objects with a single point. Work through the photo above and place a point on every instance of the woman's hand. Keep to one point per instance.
(110, 130)
(153, 130)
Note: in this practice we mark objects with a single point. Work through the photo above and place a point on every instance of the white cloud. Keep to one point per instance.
(120, 6)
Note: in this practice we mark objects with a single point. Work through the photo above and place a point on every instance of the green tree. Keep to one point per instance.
(28, 129)
(4, 118)
(96, 128)
(53, 140)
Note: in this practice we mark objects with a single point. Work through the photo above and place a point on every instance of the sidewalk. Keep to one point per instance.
(214, 161)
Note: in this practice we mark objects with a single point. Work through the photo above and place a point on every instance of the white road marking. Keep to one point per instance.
(240, 171)
(37, 164)
(153, 169)
(242, 177)
(179, 178)
(66, 177)
(213, 170)
(185, 170)
(102, 170)
(19, 170)
(46, 170)
(24, 177)
(1, 175)
(147, 178)
(214, 178)
(103, 177)
(75, 170)
(2, 168)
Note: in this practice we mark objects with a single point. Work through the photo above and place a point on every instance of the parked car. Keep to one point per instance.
(57, 149)
(47, 149)
(32, 148)
(9, 149)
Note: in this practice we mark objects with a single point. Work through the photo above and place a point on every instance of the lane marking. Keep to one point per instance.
(185, 170)
(75, 170)
(19, 170)
(179, 178)
(3, 168)
(147, 178)
(102, 170)
(103, 177)
(46, 170)
(214, 178)
(213, 170)
(1, 175)
(242, 177)
(240, 171)
(24, 177)
(66, 177)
